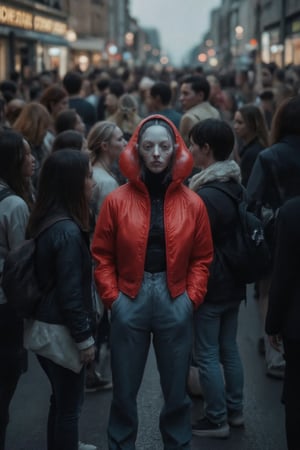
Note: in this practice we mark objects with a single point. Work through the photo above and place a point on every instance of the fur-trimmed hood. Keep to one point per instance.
(219, 171)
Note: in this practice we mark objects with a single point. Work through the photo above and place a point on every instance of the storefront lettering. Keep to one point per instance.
(49, 26)
(18, 18)
(15, 17)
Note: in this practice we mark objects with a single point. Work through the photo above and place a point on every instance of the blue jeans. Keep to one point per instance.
(217, 357)
(65, 405)
(152, 314)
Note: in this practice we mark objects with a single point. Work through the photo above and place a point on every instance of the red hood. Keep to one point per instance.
(129, 159)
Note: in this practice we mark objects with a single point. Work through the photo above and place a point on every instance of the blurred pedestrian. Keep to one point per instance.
(16, 168)
(69, 119)
(126, 117)
(55, 99)
(114, 92)
(33, 122)
(152, 247)
(158, 101)
(105, 143)
(72, 82)
(194, 97)
(274, 179)
(251, 130)
(13, 110)
(71, 139)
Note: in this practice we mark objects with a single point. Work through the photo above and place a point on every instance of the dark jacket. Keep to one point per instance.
(283, 315)
(223, 216)
(248, 154)
(276, 175)
(64, 270)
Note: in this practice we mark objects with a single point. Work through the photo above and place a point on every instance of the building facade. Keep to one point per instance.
(32, 37)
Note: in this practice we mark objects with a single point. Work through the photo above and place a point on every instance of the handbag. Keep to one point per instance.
(52, 341)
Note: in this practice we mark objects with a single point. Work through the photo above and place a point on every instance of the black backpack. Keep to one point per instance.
(19, 279)
(246, 252)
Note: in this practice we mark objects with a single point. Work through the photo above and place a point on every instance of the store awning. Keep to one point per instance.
(91, 44)
(51, 39)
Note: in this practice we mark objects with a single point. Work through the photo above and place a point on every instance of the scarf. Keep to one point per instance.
(219, 171)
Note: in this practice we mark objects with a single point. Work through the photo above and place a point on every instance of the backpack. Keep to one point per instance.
(246, 252)
(19, 279)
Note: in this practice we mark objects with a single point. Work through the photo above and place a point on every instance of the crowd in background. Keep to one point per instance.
(97, 113)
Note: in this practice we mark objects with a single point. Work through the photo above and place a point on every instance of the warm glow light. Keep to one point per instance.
(211, 52)
(83, 62)
(202, 57)
(239, 29)
(164, 60)
(129, 38)
(253, 42)
(213, 62)
(71, 35)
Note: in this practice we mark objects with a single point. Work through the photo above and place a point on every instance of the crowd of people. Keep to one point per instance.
(138, 167)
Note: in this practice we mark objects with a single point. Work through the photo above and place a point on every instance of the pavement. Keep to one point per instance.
(264, 414)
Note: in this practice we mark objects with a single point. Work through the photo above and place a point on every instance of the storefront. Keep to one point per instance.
(292, 43)
(287, 52)
(32, 40)
(88, 51)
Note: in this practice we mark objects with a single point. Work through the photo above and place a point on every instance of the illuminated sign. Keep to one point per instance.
(22, 19)
(296, 26)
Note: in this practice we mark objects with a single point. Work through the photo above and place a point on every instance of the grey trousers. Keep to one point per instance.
(152, 314)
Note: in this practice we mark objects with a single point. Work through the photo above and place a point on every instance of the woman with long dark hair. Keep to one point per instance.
(16, 168)
(63, 257)
(251, 129)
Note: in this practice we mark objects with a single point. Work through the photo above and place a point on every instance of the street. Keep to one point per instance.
(264, 414)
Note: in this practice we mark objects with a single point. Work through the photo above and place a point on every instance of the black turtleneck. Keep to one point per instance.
(156, 247)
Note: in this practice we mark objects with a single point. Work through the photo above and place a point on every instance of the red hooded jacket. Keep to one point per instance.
(121, 234)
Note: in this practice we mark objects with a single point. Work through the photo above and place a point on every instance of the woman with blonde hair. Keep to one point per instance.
(34, 122)
(105, 142)
(126, 116)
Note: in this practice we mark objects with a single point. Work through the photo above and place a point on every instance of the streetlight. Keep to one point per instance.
(71, 35)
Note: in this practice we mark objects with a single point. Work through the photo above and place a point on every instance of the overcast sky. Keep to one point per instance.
(181, 23)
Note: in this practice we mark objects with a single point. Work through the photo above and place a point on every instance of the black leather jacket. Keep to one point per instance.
(65, 272)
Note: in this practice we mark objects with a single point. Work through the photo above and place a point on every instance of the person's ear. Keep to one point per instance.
(206, 148)
(104, 146)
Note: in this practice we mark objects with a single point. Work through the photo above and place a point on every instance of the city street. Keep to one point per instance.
(264, 414)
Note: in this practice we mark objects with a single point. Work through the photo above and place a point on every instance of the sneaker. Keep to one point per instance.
(236, 419)
(83, 446)
(206, 428)
(97, 383)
